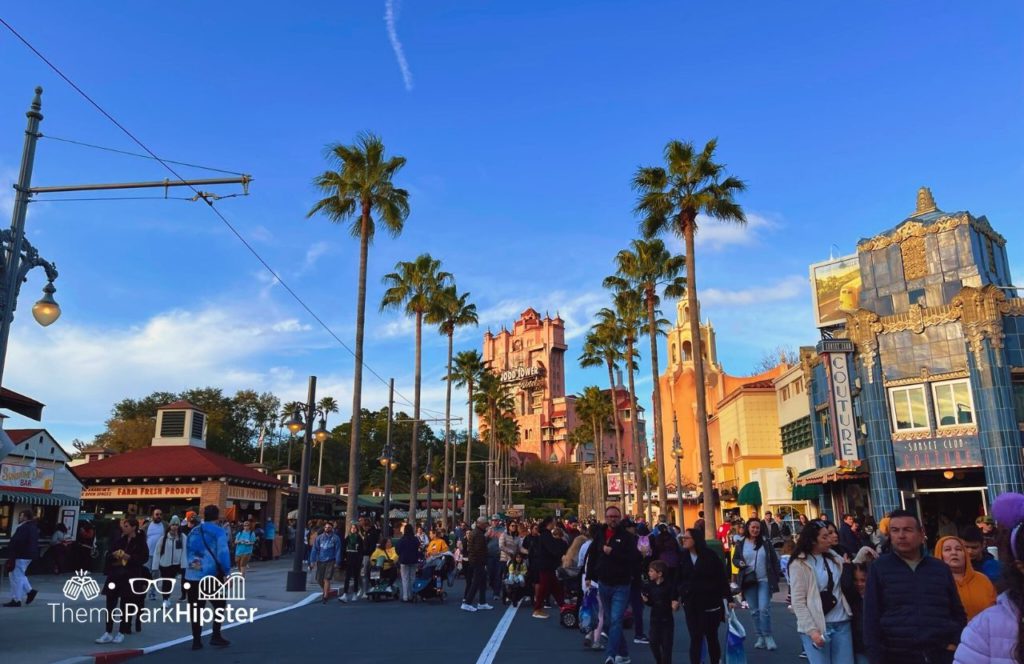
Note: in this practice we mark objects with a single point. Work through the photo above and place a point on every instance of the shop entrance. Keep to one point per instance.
(948, 511)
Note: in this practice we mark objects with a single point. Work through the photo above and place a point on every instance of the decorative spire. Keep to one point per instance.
(925, 202)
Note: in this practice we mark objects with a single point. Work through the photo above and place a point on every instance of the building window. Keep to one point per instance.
(785, 392)
(916, 296)
(908, 408)
(798, 385)
(953, 403)
(1018, 397)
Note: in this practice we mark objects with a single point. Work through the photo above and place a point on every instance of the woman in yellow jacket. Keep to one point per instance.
(436, 546)
(976, 592)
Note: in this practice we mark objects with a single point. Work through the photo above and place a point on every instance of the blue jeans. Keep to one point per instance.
(838, 647)
(759, 598)
(614, 599)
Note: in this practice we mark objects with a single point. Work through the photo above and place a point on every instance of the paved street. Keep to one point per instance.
(367, 633)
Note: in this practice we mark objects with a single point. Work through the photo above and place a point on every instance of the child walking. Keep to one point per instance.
(663, 598)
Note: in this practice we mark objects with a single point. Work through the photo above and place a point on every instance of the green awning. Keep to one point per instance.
(806, 492)
(750, 494)
(37, 498)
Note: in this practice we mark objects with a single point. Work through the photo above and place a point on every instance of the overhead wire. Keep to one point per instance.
(136, 154)
(207, 199)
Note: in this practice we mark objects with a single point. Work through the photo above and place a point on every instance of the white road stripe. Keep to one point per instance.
(491, 649)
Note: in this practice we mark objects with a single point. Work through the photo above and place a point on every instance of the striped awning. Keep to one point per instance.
(830, 474)
(36, 498)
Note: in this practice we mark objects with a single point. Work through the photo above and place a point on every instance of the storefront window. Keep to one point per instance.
(953, 404)
(908, 408)
(1018, 397)
(5, 519)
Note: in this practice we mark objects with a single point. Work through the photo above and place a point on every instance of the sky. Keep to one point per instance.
(522, 124)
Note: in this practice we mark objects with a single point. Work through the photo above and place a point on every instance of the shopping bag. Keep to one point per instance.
(734, 652)
(588, 611)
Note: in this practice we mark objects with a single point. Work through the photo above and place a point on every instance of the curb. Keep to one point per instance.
(116, 656)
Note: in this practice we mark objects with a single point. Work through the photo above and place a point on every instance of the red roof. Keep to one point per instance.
(171, 461)
(19, 436)
(181, 404)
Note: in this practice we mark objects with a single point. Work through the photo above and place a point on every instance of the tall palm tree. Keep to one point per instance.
(450, 312)
(360, 187)
(469, 366)
(594, 405)
(492, 401)
(629, 313)
(325, 405)
(670, 198)
(603, 346)
(414, 286)
(647, 267)
(507, 436)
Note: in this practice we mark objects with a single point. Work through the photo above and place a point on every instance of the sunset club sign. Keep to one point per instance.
(835, 356)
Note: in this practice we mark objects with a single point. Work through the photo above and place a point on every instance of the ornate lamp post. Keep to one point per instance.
(387, 460)
(298, 422)
(677, 452)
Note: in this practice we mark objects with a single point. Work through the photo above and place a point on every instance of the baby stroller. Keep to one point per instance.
(383, 583)
(430, 578)
(513, 592)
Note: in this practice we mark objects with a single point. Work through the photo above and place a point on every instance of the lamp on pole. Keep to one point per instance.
(677, 452)
(17, 253)
(387, 460)
(429, 478)
(302, 422)
(321, 435)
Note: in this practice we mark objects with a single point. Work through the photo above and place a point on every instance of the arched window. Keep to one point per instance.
(675, 354)
(687, 351)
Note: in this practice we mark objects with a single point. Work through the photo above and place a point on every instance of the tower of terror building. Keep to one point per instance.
(531, 362)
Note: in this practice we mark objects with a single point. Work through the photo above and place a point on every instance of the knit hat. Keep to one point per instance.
(175, 520)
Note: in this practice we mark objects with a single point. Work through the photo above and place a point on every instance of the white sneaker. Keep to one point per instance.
(484, 607)
(760, 642)
(356, 596)
(342, 597)
(619, 659)
(106, 638)
(166, 604)
(468, 607)
(769, 642)
(118, 638)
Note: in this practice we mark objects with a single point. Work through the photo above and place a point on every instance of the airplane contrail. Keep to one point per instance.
(396, 46)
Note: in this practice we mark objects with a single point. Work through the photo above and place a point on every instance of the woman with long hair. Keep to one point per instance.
(703, 590)
(592, 639)
(758, 578)
(126, 562)
(995, 635)
(170, 554)
(822, 612)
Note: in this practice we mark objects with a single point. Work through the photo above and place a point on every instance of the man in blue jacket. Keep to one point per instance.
(912, 611)
(24, 548)
(325, 554)
(208, 555)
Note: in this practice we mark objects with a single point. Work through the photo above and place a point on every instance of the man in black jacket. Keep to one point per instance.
(613, 563)
(548, 557)
(476, 557)
(912, 611)
(24, 548)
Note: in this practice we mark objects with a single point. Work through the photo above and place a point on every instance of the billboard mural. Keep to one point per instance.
(835, 288)
(615, 483)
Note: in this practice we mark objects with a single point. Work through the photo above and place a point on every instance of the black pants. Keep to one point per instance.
(125, 597)
(478, 584)
(661, 636)
(194, 604)
(353, 570)
(172, 572)
(703, 626)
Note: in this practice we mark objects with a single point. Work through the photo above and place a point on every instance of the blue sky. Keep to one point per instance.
(522, 124)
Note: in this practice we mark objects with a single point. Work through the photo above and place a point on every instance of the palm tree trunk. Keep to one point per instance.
(710, 520)
(638, 502)
(447, 435)
(492, 490)
(415, 470)
(467, 489)
(352, 504)
(618, 434)
(599, 463)
(659, 439)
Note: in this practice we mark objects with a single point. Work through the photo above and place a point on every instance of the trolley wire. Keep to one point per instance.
(136, 154)
(210, 203)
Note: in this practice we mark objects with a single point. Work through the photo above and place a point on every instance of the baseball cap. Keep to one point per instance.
(495, 517)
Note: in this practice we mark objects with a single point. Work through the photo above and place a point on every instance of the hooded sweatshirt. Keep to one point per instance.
(976, 592)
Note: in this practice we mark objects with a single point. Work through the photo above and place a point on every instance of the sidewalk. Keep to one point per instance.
(36, 634)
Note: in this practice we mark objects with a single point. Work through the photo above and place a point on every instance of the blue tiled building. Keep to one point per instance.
(933, 343)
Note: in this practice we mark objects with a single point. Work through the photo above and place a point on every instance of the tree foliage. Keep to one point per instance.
(773, 358)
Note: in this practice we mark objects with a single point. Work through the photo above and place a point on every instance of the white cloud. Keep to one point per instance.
(313, 254)
(576, 309)
(390, 17)
(785, 289)
(714, 235)
(290, 325)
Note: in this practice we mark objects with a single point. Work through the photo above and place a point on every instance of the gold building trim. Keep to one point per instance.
(913, 229)
(927, 376)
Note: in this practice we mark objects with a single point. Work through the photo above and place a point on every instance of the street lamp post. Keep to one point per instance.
(18, 254)
(677, 452)
(297, 577)
(387, 459)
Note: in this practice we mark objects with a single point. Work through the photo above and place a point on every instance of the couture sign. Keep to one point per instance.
(937, 453)
(840, 383)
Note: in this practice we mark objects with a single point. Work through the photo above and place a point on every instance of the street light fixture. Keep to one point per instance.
(322, 434)
(296, 580)
(46, 310)
(294, 423)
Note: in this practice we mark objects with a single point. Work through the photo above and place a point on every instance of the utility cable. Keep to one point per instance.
(209, 202)
(136, 154)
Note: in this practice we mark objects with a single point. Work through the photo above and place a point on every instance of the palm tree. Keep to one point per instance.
(630, 316)
(492, 401)
(592, 404)
(326, 405)
(603, 346)
(359, 187)
(507, 436)
(450, 312)
(469, 366)
(415, 285)
(670, 198)
(647, 266)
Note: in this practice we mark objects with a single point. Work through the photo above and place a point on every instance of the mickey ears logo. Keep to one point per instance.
(212, 588)
(81, 585)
